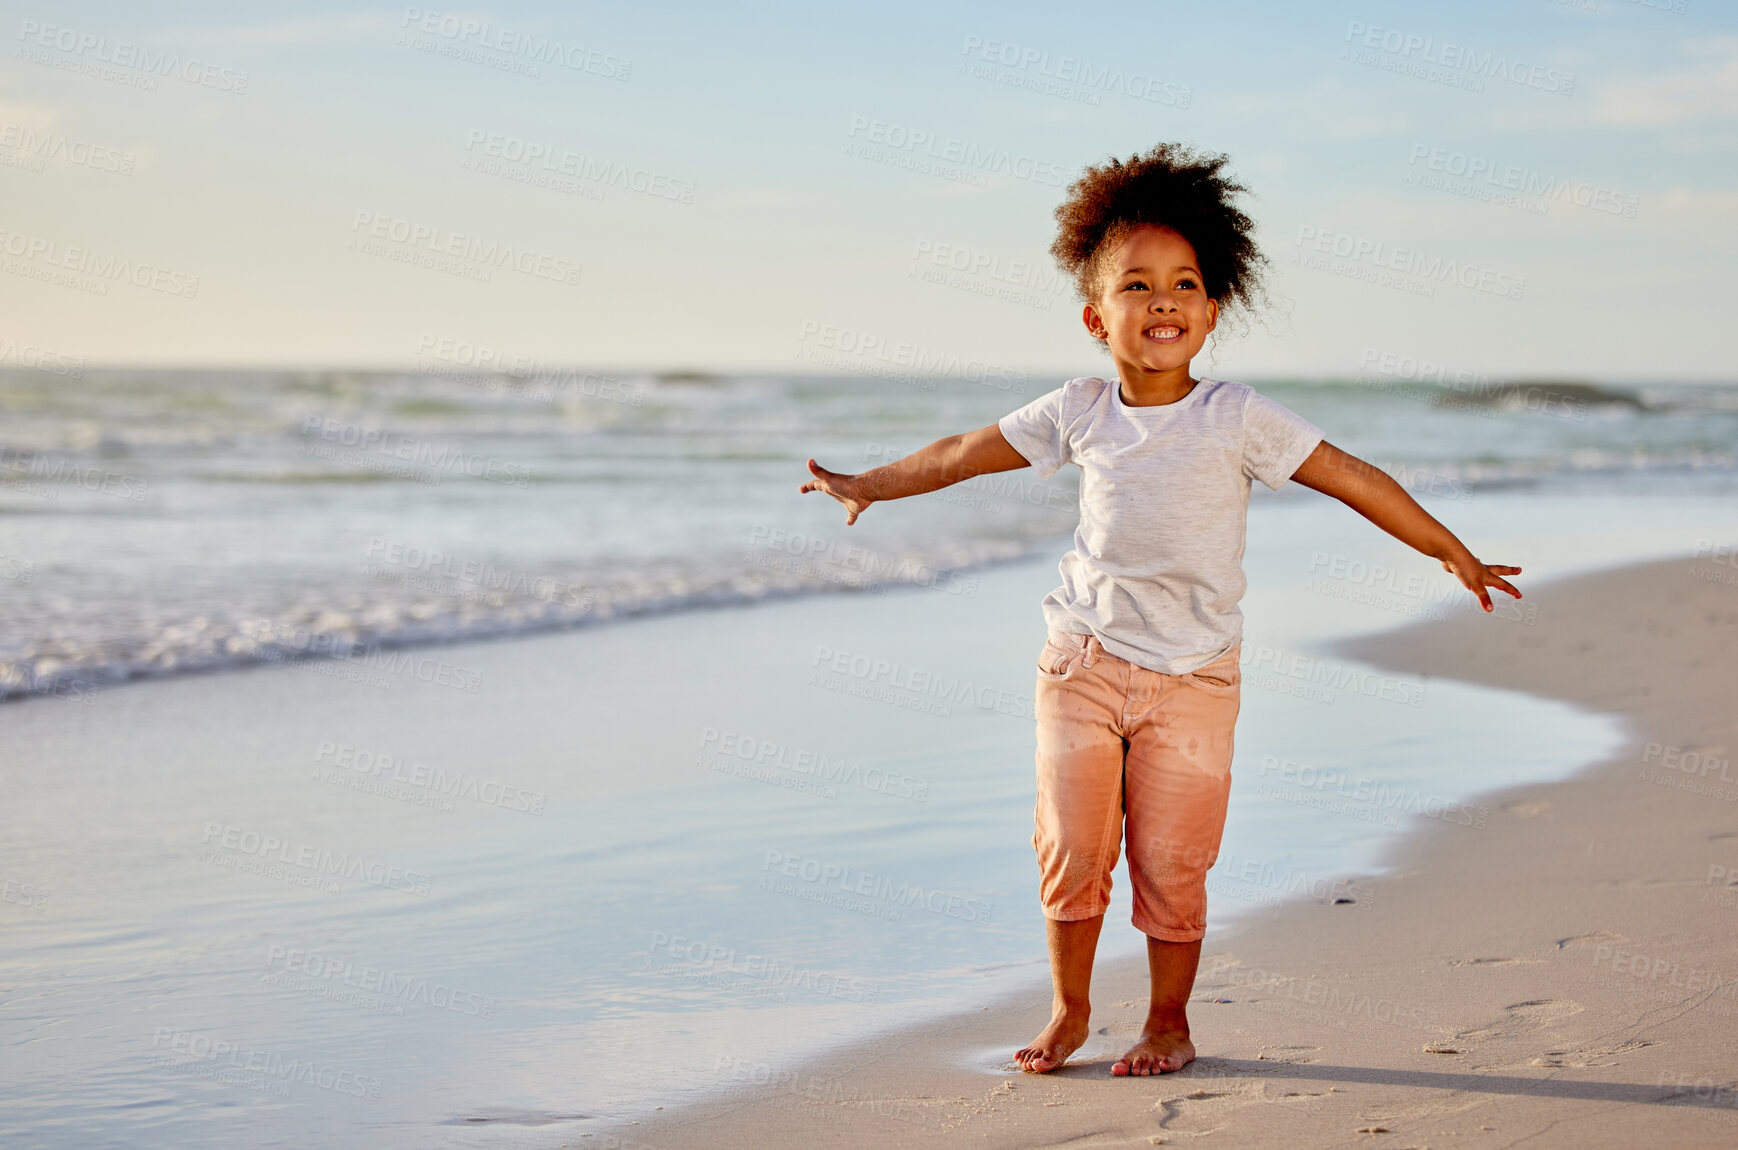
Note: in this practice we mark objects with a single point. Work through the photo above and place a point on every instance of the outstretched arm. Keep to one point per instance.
(941, 464)
(1378, 498)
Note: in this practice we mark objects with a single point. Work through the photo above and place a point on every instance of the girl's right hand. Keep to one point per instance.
(844, 488)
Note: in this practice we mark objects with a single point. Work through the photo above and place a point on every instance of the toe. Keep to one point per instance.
(1036, 1059)
(1120, 1069)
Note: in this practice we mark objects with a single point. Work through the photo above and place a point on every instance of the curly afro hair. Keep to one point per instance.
(1173, 186)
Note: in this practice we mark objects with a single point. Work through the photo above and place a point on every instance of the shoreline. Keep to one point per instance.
(1594, 1001)
(363, 659)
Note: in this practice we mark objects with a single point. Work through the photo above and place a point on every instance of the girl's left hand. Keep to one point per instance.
(1477, 577)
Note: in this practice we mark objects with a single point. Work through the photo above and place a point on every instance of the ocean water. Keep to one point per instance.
(674, 854)
(162, 522)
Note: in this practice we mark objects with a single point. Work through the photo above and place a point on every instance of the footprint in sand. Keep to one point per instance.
(1592, 938)
(1523, 1018)
(1290, 1055)
(1388, 1118)
(1593, 1056)
(1527, 808)
(1202, 1111)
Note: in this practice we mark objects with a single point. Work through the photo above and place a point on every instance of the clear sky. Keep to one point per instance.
(1523, 187)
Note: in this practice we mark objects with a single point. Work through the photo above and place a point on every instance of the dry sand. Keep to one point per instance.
(1566, 975)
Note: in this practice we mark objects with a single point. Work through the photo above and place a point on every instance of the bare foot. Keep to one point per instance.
(1065, 1034)
(1159, 1051)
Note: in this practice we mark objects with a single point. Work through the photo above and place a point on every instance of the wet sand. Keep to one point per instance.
(1564, 975)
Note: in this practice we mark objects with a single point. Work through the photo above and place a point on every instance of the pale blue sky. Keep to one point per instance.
(792, 242)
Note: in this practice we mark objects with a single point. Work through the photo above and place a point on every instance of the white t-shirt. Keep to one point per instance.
(1157, 566)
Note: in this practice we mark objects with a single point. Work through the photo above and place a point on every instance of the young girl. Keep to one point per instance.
(1138, 681)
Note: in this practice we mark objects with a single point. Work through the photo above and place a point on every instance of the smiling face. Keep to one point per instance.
(1152, 310)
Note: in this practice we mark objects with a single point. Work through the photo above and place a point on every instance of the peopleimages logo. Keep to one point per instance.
(1381, 256)
(1069, 71)
(35, 358)
(1335, 783)
(822, 878)
(675, 954)
(98, 50)
(25, 465)
(38, 146)
(439, 458)
(470, 34)
(917, 683)
(857, 566)
(103, 268)
(768, 754)
(479, 573)
(868, 353)
(389, 768)
(441, 243)
(970, 156)
(334, 975)
(197, 1047)
(1458, 61)
(236, 842)
(1320, 678)
(1523, 182)
(554, 159)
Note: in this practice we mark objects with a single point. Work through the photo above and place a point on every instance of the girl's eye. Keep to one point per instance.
(1134, 285)
(1186, 283)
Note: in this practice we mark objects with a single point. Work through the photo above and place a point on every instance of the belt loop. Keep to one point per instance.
(1087, 647)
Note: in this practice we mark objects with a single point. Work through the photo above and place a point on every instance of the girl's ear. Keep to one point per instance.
(1094, 322)
(1212, 314)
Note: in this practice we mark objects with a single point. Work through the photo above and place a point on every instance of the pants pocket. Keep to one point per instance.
(1223, 676)
(1058, 657)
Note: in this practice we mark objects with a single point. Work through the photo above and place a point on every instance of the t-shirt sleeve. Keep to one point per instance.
(1276, 440)
(1035, 431)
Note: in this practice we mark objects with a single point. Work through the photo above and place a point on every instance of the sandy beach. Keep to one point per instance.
(528, 535)
(1564, 975)
(483, 893)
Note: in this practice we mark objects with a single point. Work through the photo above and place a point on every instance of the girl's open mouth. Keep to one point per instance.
(1164, 333)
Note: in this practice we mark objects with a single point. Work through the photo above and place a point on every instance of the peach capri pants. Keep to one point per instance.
(1117, 744)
